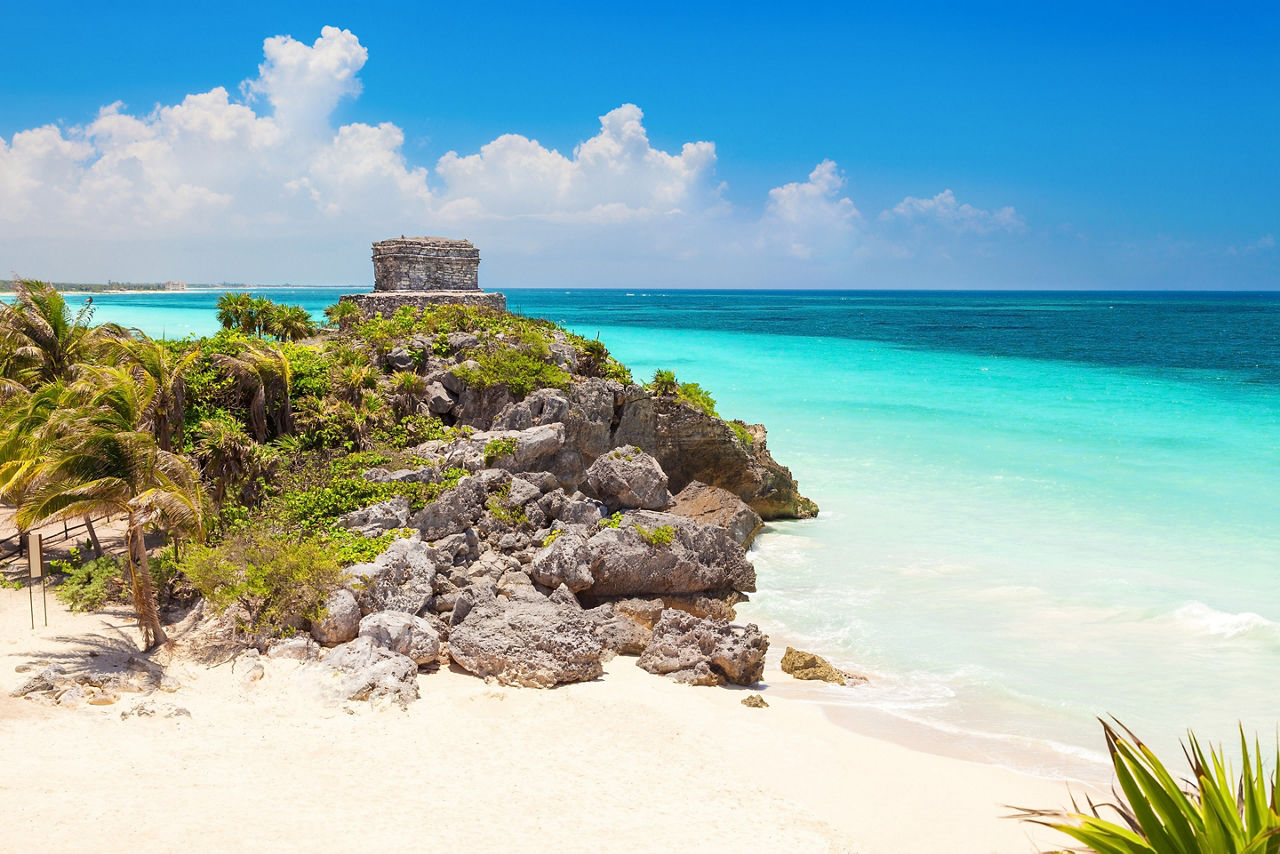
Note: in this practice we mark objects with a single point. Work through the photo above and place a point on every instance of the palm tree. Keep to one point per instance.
(343, 314)
(259, 316)
(229, 457)
(44, 340)
(102, 463)
(265, 377)
(167, 371)
(293, 323)
(233, 310)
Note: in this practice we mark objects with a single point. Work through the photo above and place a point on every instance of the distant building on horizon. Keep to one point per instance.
(175, 286)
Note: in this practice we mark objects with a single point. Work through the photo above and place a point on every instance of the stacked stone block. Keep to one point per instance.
(421, 271)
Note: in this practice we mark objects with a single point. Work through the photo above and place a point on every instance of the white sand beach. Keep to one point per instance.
(628, 762)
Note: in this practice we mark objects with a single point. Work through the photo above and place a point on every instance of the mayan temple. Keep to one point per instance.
(422, 271)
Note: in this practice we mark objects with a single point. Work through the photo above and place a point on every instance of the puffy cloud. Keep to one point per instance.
(812, 216)
(223, 184)
(959, 218)
(614, 176)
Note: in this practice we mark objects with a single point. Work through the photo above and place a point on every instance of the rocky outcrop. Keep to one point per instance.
(806, 665)
(627, 478)
(403, 633)
(530, 641)
(619, 633)
(363, 670)
(340, 619)
(712, 505)
(648, 553)
(400, 579)
(376, 520)
(700, 651)
(692, 446)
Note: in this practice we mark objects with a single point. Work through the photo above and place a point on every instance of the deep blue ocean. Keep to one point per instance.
(1036, 507)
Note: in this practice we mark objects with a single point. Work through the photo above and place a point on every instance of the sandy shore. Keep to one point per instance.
(630, 761)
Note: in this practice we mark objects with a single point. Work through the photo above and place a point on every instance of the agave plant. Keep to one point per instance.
(1217, 812)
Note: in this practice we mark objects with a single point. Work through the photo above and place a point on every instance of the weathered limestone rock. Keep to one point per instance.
(363, 670)
(566, 561)
(522, 492)
(298, 648)
(341, 620)
(399, 359)
(534, 643)
(754, 701)
(628, 478)
(453, 512)
(402, 578)
(692, 446)
(705, 652)
(806, 665)
(439, 400)
(619, 634)
(377, 519)
(712, 505)
(403, 633)
(621, 562)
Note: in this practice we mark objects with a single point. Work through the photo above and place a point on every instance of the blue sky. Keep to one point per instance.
(1083, 145)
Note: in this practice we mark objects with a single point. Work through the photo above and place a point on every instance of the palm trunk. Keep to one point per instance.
(93, 536)
(144, 597)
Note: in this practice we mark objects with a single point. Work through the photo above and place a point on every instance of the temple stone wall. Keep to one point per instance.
(387, 302)
(425, 264)
(422, 271)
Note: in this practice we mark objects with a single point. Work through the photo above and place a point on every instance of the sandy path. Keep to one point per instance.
(628, 762)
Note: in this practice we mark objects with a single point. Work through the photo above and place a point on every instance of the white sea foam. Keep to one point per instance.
(1200, 618)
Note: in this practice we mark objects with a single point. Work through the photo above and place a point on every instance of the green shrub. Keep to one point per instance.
(741, 432)
(504, 511)
(663, 535)
(278, 581)
(90, 584)
(1215, 811)
(498, 449)
(664, 382)
(520, 369)
(350, 547)
(551, 538)
(697, 397)
(612, 521)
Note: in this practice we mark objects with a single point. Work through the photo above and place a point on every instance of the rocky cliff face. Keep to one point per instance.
(600, 415)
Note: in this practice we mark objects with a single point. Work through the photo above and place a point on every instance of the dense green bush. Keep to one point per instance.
(89, 584)
(520, 369)
(277, 580)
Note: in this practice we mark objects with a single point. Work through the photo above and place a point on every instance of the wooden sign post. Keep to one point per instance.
(35, 567)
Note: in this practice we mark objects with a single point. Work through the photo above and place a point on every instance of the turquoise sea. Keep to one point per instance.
(1037, 508)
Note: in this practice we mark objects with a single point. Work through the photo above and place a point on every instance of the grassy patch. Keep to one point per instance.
(663, 535)
(499, 449)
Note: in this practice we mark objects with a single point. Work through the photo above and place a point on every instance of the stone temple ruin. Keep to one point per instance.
(421, 271)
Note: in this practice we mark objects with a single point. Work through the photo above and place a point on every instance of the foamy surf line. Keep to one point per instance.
(896, 718)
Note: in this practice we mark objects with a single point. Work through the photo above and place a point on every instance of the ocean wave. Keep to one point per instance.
(1202, 619)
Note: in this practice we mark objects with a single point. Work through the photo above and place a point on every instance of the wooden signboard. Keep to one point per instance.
(35, 567)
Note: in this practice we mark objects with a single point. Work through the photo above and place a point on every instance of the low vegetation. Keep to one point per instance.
(662, 536)
(1214, 810)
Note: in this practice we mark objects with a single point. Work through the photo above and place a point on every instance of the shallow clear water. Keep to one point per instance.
(1036, 508)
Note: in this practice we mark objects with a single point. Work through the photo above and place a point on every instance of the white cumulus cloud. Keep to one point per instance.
(262, 186)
